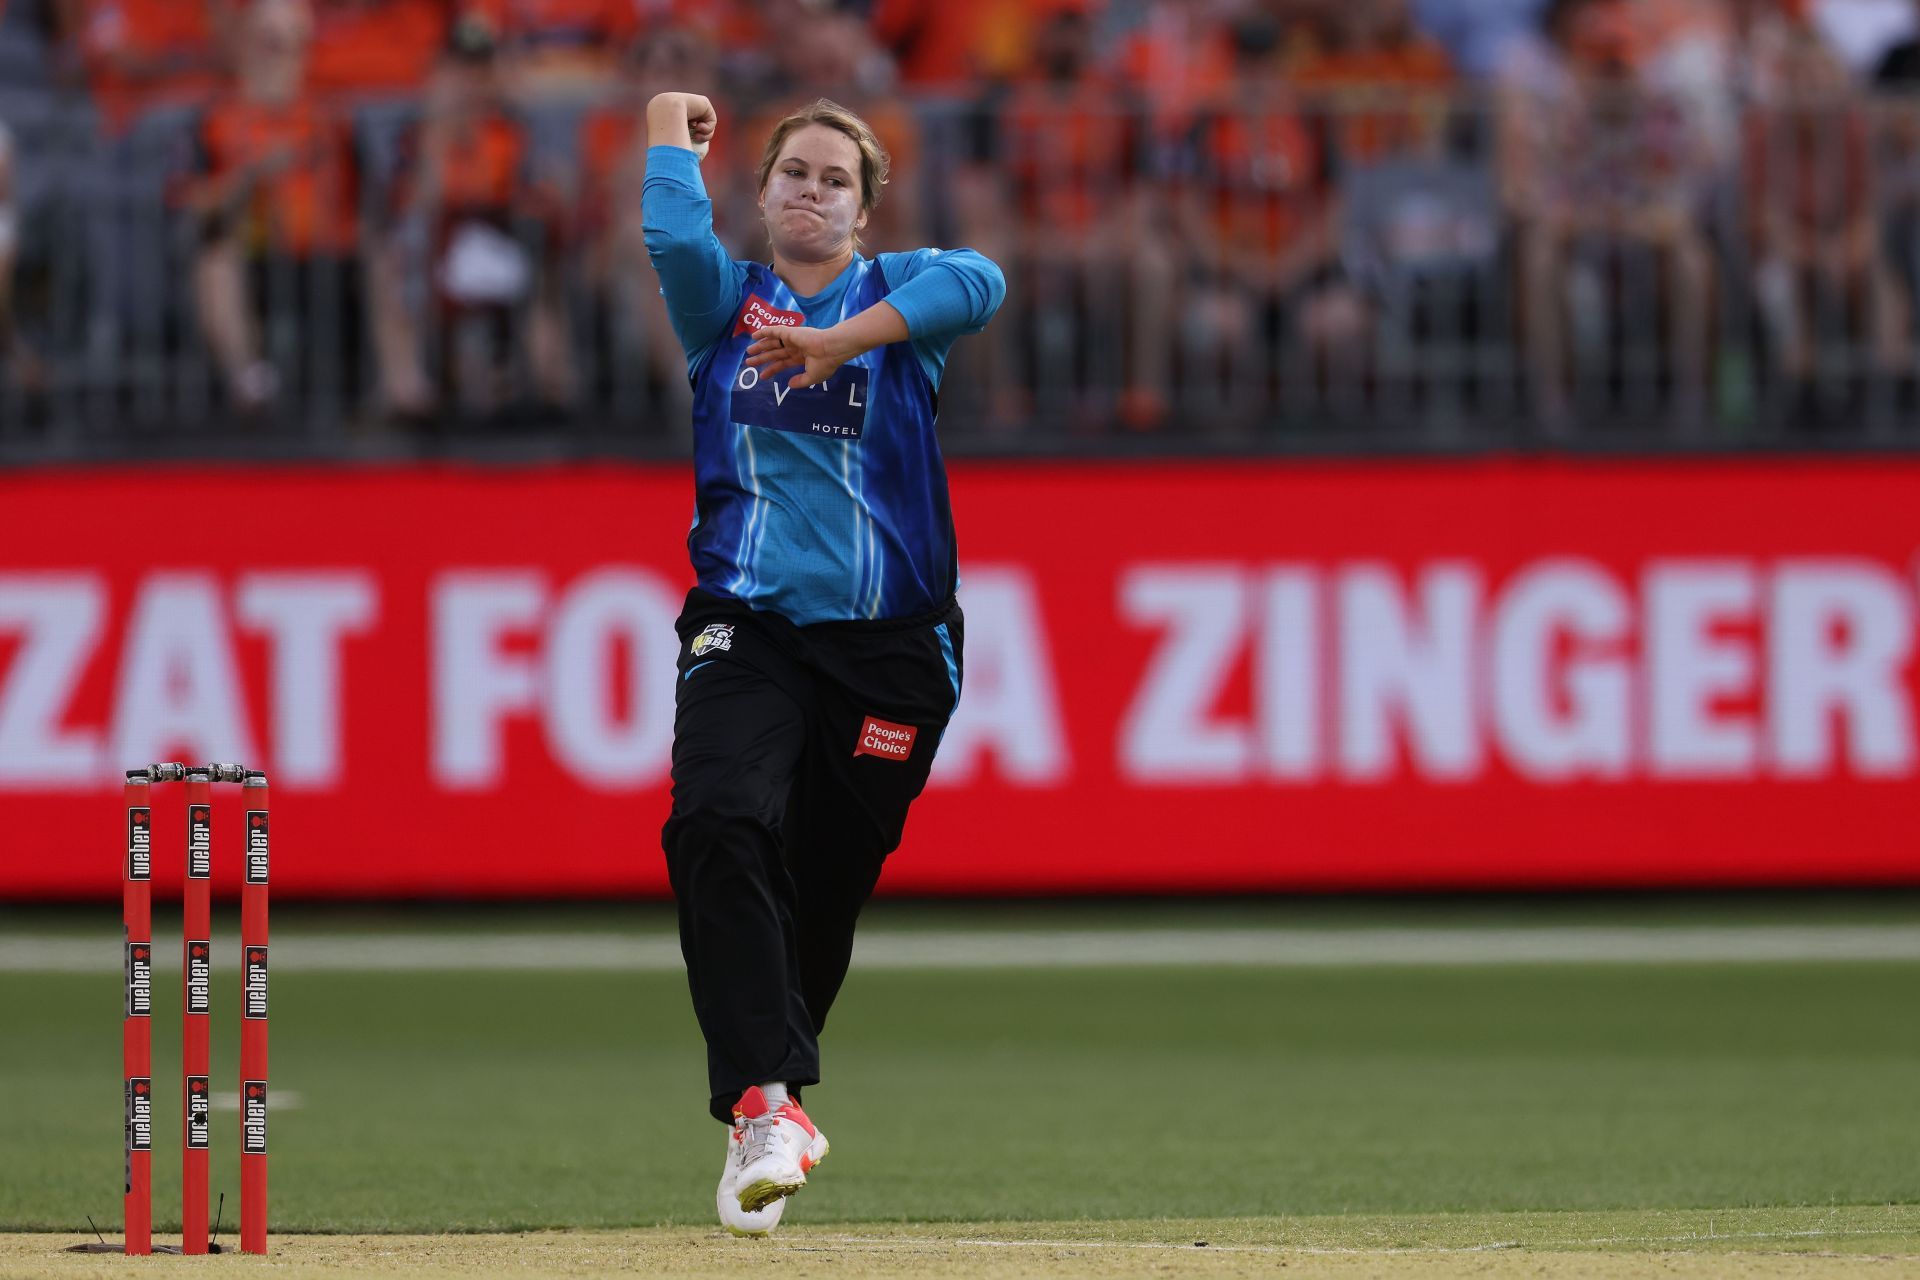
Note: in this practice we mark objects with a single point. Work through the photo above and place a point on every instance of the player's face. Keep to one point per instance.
(812, 198)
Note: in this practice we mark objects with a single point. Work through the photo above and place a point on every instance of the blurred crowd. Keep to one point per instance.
(1215, 215)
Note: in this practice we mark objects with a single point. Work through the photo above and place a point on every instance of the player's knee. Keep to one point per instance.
(709, 836)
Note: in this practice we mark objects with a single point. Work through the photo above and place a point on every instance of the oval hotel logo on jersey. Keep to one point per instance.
(836, 408)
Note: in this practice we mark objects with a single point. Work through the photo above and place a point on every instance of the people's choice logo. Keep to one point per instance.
(885, 739)
(761, 314)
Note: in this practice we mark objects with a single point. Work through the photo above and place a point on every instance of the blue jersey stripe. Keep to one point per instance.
(953, 667)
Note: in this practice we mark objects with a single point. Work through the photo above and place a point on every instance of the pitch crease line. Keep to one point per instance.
(960, 949)
(1360, 1250)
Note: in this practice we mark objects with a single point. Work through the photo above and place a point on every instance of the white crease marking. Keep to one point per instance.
(996, 948)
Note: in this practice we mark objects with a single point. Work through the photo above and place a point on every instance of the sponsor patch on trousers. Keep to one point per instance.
(885, 739)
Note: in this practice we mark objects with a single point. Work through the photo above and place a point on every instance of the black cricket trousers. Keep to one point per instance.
(796, 752)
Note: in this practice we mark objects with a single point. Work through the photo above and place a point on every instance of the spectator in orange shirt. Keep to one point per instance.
(1092, 235)
(276, 192)
(832, 55)
(739, 32)
(376, 47)
(1383, 84)
(142, 53)
(944, 48)
(469, 209)
(561, 48)
(1179, 58)
(1261, 215)
(613, 144)
(635, 353)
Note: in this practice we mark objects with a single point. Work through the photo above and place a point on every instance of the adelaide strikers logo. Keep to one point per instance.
(718, 636)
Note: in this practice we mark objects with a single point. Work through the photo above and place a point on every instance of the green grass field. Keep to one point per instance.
(1251, 1100)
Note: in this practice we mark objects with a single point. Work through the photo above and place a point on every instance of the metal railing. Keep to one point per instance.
(1346, 272)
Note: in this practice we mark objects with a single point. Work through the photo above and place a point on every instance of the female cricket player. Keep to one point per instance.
(821, 651)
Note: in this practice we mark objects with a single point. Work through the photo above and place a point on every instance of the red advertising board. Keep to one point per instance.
(1180, 677)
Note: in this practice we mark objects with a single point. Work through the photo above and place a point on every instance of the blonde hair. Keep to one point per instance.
(874, 161)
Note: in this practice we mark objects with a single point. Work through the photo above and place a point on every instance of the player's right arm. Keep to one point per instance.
(700, 281)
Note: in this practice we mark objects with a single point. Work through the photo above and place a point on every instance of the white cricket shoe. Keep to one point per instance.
(773, 1150)
(726, 1199)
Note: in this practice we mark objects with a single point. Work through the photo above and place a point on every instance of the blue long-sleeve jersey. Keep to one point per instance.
(825, 503)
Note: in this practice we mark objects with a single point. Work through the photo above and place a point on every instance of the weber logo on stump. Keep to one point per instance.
(199, 842)
(199, 1113)
(200, 977)
(255, 1005)
(253, 1118)
(139, 844)
(140, 1113)
(139, 969)
(256, 846)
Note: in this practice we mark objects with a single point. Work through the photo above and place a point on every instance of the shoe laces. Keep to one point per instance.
(755, 1135)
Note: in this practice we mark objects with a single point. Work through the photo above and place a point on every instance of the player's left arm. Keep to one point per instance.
(935, 296)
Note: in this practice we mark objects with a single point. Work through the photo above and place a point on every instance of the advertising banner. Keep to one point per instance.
(1179, 677)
